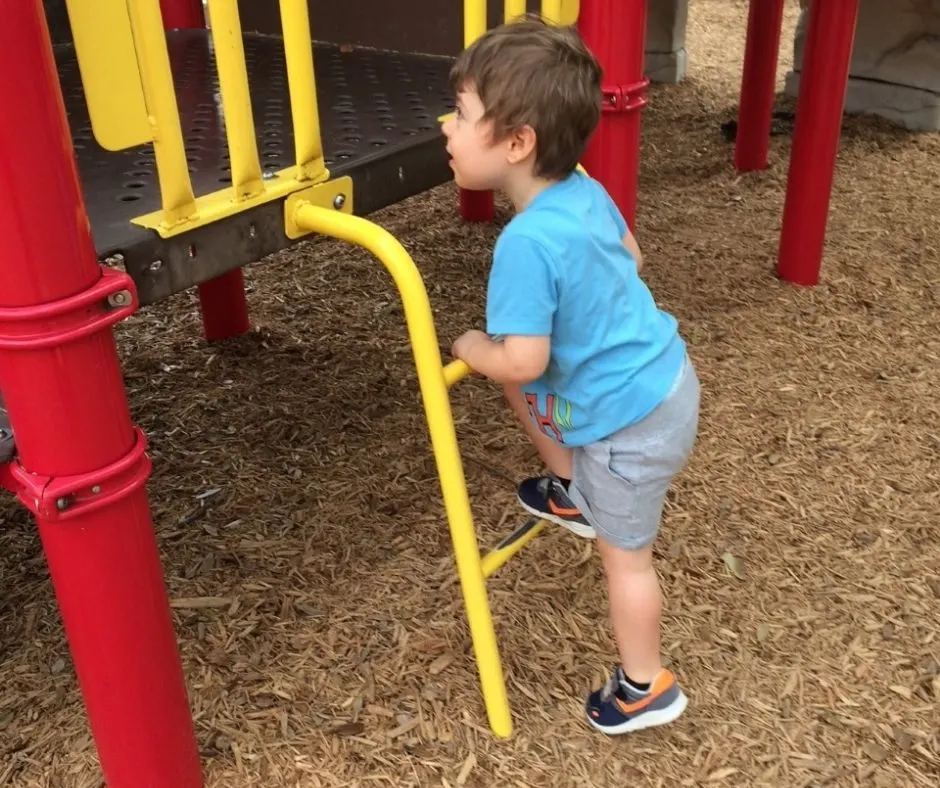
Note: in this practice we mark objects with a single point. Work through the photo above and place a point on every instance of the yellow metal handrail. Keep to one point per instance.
(431, 380)
(316, 203)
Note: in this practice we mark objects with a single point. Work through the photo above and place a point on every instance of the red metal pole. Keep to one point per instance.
(81, 467)
(223, 302)
(830, 36)
(224, 306)
(182, 14)
(758, 83)
(615, 31)
(477, 206)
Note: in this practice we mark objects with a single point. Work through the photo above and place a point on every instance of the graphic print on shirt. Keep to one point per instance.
(556, 420)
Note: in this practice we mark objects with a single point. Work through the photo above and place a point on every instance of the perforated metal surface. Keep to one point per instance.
(378, 113)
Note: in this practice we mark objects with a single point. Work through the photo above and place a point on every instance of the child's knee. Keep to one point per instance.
(621, 560)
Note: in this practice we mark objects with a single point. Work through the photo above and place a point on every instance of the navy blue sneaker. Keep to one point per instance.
(547, 497)
(620, 708)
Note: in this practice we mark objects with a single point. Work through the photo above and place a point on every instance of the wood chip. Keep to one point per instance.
(200, 603)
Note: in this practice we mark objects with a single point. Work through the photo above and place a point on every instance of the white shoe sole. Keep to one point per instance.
(649, 719)
(584, 531)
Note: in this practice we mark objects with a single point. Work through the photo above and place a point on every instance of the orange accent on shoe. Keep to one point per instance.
(562, 511)
(663, 681)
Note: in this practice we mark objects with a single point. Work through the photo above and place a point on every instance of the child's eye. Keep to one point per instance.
(458, 113)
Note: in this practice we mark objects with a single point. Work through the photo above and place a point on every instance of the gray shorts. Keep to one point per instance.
(620, 482)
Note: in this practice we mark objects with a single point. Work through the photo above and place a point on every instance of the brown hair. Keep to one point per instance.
(532, 73)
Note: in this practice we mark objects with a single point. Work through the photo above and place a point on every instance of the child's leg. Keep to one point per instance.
(544, 496)
(641, 692)
(620, 485)
(555, 456)
(635, 600)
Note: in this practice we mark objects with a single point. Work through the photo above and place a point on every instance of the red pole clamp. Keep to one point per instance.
(107, 302)
(625, 98)
(66, 497)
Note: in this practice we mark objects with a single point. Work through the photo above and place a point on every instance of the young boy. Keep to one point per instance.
(597, 374)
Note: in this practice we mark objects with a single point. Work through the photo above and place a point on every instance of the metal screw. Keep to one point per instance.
(269, 175)
(120, 298)
(156, 265)
(62, 504)
(96, 489)
(339, 201)
(252, 232)
(3, 434)
(114, 260)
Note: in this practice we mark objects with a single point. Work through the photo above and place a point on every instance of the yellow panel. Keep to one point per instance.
(104, 46)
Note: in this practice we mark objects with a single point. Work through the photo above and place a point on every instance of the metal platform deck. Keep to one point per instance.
(378, 115)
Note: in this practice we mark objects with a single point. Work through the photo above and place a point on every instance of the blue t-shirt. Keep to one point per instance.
(560, 268)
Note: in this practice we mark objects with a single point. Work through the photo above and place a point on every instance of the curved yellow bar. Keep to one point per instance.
(236, 100)
(455, 372)
(424, 344)
(497, 557)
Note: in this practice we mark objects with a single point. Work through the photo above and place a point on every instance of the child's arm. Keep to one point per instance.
(514, 359)
(634, 248)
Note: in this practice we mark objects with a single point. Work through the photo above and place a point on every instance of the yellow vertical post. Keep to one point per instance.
(298, 53)
(474, 20)
(176, 189)
(569, 11)
(552, 10)
(513, 9)
(236, 100)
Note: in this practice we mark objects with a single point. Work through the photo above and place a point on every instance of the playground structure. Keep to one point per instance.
(80, 466)
(895, 65)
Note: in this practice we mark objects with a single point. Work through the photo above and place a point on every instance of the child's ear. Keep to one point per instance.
(521, 144)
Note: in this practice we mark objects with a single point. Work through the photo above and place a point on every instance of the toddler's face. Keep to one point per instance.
(478, 162)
